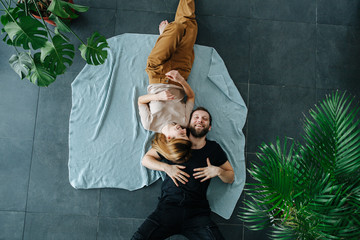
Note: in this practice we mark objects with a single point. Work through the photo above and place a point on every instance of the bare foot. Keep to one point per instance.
(162, 26)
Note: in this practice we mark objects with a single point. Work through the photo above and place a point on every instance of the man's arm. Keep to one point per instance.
(152, 161)
(225, 172)
(175, 76)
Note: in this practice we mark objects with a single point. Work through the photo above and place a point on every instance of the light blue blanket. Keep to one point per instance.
(107, 140)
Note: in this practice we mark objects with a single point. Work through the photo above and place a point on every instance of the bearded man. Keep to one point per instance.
(183, 207)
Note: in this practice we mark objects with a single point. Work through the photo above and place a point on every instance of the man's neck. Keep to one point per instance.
(197, 143)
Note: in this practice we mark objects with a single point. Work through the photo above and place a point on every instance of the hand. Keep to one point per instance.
(175, 76)
(207, 172)
(175, 173)
(165, 96)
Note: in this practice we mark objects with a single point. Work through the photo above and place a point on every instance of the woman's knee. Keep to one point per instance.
(176, 27)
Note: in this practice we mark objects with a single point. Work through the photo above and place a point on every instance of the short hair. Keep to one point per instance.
(202, 109)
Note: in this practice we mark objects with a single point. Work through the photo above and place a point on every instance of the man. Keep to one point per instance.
(183, 207)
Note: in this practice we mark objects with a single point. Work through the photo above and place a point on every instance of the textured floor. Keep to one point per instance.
(283, 56)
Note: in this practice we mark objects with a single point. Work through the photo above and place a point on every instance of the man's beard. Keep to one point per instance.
(199, 133)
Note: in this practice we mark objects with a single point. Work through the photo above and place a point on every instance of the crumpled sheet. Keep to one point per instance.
(107, 140)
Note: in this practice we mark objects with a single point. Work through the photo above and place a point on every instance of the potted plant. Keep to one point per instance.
(311, 190)
(48, 52)
(43, 6)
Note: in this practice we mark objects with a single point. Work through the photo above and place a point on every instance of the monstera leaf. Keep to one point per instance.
(57, 32)
(40, 75)
(94, 52)
(13, 13)
(56, 54)
(59, 23)
(21, 63)
(65, 9)
(25, 32)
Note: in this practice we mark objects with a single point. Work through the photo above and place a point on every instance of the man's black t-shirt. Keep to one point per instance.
(193, 193)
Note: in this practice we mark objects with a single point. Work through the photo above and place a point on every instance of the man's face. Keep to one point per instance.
(199, 123)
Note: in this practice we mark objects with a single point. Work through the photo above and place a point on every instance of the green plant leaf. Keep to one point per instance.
(56, 54)
(78, 8)
(59, 23)
(57, 32)
(94, 52)
(312, 192)
(65, 9)
(40, 75)
(25, 32)
(13, 13)
(21, 63)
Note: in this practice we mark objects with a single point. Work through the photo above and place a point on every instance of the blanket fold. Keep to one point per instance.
(107, 141)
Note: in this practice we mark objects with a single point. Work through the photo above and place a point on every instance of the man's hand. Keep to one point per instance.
(164, 96)
(207, 172)
(175, 76)
(175, 173)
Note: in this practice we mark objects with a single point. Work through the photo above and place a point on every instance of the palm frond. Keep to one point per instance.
(333, 136)
(311, 191)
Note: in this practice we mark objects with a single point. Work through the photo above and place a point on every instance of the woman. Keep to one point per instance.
(164, 110)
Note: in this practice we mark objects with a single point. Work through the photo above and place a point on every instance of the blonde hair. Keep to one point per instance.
(175, 150)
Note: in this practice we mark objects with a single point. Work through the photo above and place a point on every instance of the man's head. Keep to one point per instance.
(200, 122)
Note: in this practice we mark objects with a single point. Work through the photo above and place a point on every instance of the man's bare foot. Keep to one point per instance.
(162, 26)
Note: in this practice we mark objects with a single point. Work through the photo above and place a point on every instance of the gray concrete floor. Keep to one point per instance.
(283, 56)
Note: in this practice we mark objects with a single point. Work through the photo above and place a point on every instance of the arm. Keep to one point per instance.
(175, 76)
(225, 172)
(145, 99)
(164, 96)
(144, 108)
(152, 161)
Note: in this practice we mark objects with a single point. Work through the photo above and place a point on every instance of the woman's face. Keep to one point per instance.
(177, 131)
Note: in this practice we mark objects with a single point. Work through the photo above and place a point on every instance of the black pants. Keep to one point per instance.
(168, 220)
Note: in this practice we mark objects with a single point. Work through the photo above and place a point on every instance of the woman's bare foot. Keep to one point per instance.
(162, 26)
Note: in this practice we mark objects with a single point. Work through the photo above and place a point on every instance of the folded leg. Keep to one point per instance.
(158, 61)
(174, 48)
(185, 11)
(183, 58)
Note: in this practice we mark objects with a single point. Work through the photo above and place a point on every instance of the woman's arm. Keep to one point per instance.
(164, 96)
(152, 161)
(175, 76)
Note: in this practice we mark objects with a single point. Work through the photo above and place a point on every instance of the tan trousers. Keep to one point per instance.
(174, 48)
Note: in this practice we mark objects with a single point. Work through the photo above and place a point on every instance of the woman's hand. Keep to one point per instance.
(165, 96)
(176, 174)
(207, 172)
(175, 76)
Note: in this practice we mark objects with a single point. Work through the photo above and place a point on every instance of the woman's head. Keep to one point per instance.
(174, 131)
(175, 149)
